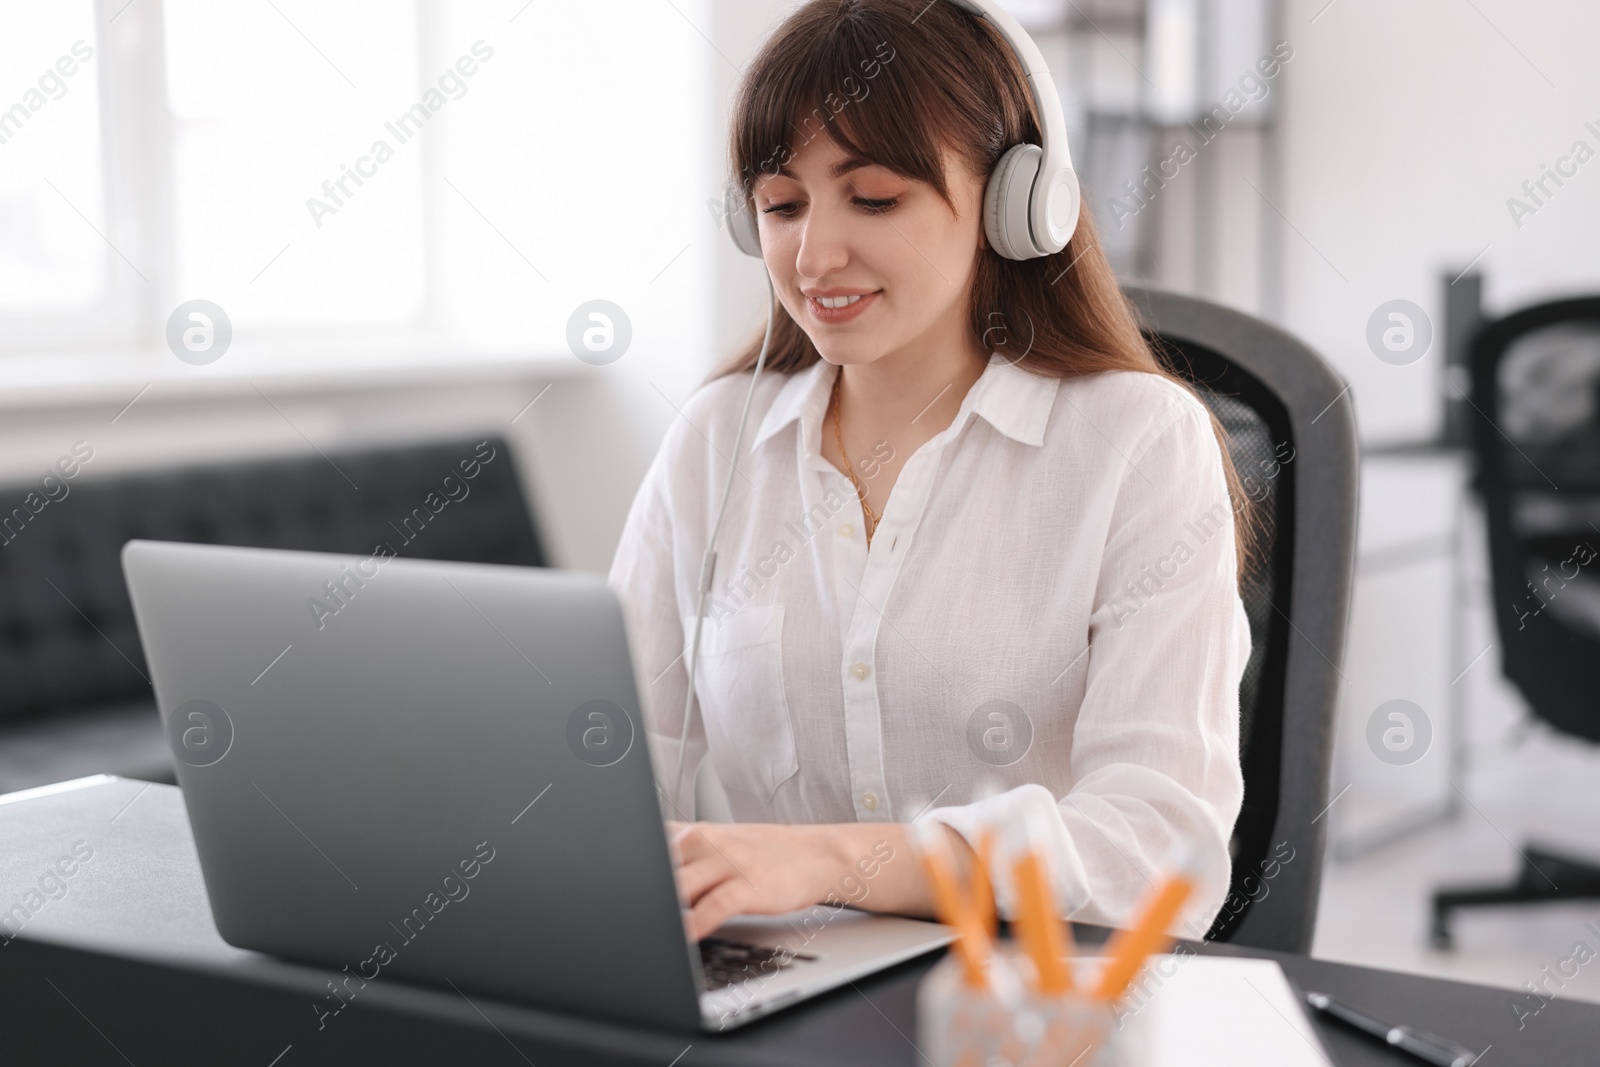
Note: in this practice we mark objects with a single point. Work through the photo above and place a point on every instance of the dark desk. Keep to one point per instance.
(124, 966)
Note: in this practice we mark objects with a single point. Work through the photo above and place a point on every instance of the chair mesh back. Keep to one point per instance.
(1260, 444)
(1542, 455)
(1258, 462)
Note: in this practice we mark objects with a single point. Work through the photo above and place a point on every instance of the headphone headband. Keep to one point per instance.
(1031, 201)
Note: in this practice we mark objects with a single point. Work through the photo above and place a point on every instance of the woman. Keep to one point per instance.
(980, 562)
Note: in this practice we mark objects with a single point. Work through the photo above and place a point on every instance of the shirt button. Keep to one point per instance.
(861, 670)
(847, 530)
(869, 801)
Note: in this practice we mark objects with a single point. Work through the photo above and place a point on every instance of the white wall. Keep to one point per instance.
(1405, 129)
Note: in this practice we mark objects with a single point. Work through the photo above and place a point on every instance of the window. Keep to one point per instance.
(272, 107)
(52, 264)
(457, 176)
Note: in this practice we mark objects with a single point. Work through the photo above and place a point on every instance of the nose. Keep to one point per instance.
(824, 242)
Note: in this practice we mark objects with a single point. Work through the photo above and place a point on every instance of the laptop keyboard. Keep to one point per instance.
(724, 962)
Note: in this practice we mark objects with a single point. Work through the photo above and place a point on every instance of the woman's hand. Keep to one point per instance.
(724, 869)
(760, 868)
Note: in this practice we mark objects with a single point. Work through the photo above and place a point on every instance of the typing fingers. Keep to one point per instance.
(717, 907)
(689, 842)
(676, 832)
(699, 877)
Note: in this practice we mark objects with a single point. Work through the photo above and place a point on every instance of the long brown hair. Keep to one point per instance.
(893, 82)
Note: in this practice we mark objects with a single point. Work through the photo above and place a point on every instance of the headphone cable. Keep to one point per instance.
(708, 563)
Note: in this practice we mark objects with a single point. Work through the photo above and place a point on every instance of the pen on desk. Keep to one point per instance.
(1430, 1048)
(1129, 948)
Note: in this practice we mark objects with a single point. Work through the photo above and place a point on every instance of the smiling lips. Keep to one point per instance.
(835, 309)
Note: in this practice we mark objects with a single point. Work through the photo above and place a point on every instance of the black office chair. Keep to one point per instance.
(1536, 388)
(1293, 440)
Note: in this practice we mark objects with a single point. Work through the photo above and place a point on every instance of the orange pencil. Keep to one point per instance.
(1129, 948)
(1037, 923)
(982, 889)
(955, 910)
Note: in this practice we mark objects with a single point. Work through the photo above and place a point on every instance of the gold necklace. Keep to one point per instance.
(849, 468)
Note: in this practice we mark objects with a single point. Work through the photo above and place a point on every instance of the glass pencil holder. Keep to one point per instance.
(1005, 1023)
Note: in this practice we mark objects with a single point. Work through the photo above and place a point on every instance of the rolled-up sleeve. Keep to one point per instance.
(643, 575)
(1155, 765)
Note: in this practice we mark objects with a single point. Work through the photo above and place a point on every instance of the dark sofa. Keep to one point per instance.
(75, 695)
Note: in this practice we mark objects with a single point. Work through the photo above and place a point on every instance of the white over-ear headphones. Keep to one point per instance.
(1031, 200)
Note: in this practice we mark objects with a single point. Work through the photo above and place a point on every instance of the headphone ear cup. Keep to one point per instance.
(741, 223)
(1062, 208)
(1005, 202)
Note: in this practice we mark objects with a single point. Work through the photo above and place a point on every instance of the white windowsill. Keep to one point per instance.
(90, 379)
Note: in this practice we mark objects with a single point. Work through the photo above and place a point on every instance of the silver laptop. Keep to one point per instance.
(437, 772)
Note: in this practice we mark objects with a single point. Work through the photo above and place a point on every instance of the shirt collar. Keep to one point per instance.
(1014, 401)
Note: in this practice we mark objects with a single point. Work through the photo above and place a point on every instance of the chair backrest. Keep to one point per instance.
(1536, 387)
(67, 635)
(1293, 442)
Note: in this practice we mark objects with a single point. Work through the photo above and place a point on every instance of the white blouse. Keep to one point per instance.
(1047, 619)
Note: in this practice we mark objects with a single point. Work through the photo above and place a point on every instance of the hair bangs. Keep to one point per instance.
(841, 80)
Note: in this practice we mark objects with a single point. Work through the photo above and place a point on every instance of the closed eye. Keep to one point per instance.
(876, 207)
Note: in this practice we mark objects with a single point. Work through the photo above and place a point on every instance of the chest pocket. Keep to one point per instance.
(739, 683)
